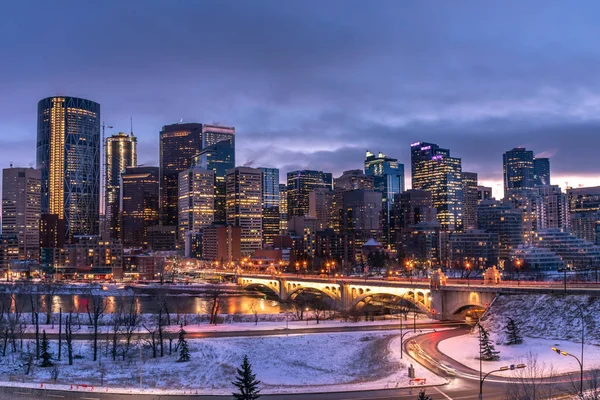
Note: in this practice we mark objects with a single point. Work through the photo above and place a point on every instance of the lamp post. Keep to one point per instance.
(511, 367)
(468, 267)
(564, 353)
(518, 272)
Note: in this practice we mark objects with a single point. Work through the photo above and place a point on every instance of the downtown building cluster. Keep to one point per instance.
(73, 218)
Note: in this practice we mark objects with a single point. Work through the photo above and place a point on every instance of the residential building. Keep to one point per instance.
(505, 221)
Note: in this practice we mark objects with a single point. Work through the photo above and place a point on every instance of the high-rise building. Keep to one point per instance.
(436, 172)
(196, 202)
(362, 211)
(349, 180)
(219, 158)
(270, 204)
(555, 210)
(504, 220)
(221, 243)
(213, 134)
(120, 153)
(179, 143)
(388, 179)
(299, 186)
(244, 206)
(283, 218)
(470, 200)
(68, 156)
(21, 209)
(541, 171)
(483, 193)
(518, 170)
(414, 207)
(139, 204)
(319, 206)
(477, 248)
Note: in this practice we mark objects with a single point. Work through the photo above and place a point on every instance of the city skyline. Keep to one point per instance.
(498, 89)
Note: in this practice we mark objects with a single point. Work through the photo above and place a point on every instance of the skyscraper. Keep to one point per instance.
(179, 143)
(120, 154)
(414, 207)
(362, 211)
(213, 134)
(196, 201)
(541, 171)
(218, 158)
(244, 206)
(270, 204)
(435, 171)
(299, 186)
(470, 200)
(283, 218)
(388, 179)
(319, 207)
(68, 156)
(504, 220)
(483, 193)
(518, 170)
(354, 179)
(21, 209)
(139, 200)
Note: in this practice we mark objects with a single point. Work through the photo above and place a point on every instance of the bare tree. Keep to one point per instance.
(59, 333)
(152, 330)
(95, 307)
(130, 324)
(531, 383)
(254, 307)
(116, 322)
(69, 337)
(214, 304)
(35, 318)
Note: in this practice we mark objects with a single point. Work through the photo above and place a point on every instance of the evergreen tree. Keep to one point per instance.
(423, 396)
(45, 353)
(246, 383)
(513, 333)
(182, 345)
(486, 348)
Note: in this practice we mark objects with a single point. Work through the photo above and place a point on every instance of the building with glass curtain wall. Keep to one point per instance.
(68, 156)
(139, 204)
(121, 153)
(518, 170)
(270, 204)
(244, 206)
(299, 186)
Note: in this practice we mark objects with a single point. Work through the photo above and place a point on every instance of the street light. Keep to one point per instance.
(510, 367)
(518, 272)
(468, 267)
(564, 353)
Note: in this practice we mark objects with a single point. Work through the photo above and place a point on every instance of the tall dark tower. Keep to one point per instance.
(179, 143)
(68, 156)
(299, 186)
(518, 170)
(541, 171)
(120, 154)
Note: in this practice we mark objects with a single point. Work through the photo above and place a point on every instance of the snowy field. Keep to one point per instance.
(465, 350)
(294, 363)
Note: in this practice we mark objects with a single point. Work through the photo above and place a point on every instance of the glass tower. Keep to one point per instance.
(388, 179)
(139, 204)
(120, 154)
(299, 186)
(68, 156)
(541, 171)
(270, 204)
(518, 170)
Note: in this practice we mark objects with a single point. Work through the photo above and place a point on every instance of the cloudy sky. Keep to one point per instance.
(313, 84)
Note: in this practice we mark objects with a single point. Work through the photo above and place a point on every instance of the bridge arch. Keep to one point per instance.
(420, 298)
(261, 287)
(296, 290)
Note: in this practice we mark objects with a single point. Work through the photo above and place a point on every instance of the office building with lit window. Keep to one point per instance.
(299, 186)
(478, 249)
(68, 156)
(21, 209)
(435, 171)
(504, 220)
(196, 203)
(244, 206)
(388, 179)
(139, 200)
(121, 152)
(584, 208)
(361, 222)
(283, 218)
(354, 179)
(518, 170)
(270, 204)
(320, 207)
(483, 193)
(470, 200)
(541, 171)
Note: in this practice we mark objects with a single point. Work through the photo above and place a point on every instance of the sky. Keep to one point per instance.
(314, 84)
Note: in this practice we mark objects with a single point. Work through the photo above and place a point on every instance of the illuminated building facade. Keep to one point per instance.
(320, 207)
(504, 220)
(436, 172)
(283, 217)
(219, 158)
(270, 204)
(196, 202)
(483, 193)
(120, 153)
(139, 201)
(21, 209)
(388, 179)
(244, 206)
(518, 170)
(413, 207)
(584, 208)
(179, 143)
(362, 213)
(68, 156)
(479, 249)
(299, 186)
(470, 200)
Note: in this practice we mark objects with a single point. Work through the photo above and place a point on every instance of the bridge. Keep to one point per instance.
(437, 296)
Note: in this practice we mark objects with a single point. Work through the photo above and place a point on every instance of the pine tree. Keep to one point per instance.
(182, 345)
(423, 396)
(45, 353)
(513, 333)
(246, 383)
(486, 348)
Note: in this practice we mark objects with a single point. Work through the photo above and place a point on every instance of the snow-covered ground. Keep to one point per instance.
(294, 363)
(465, 350)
